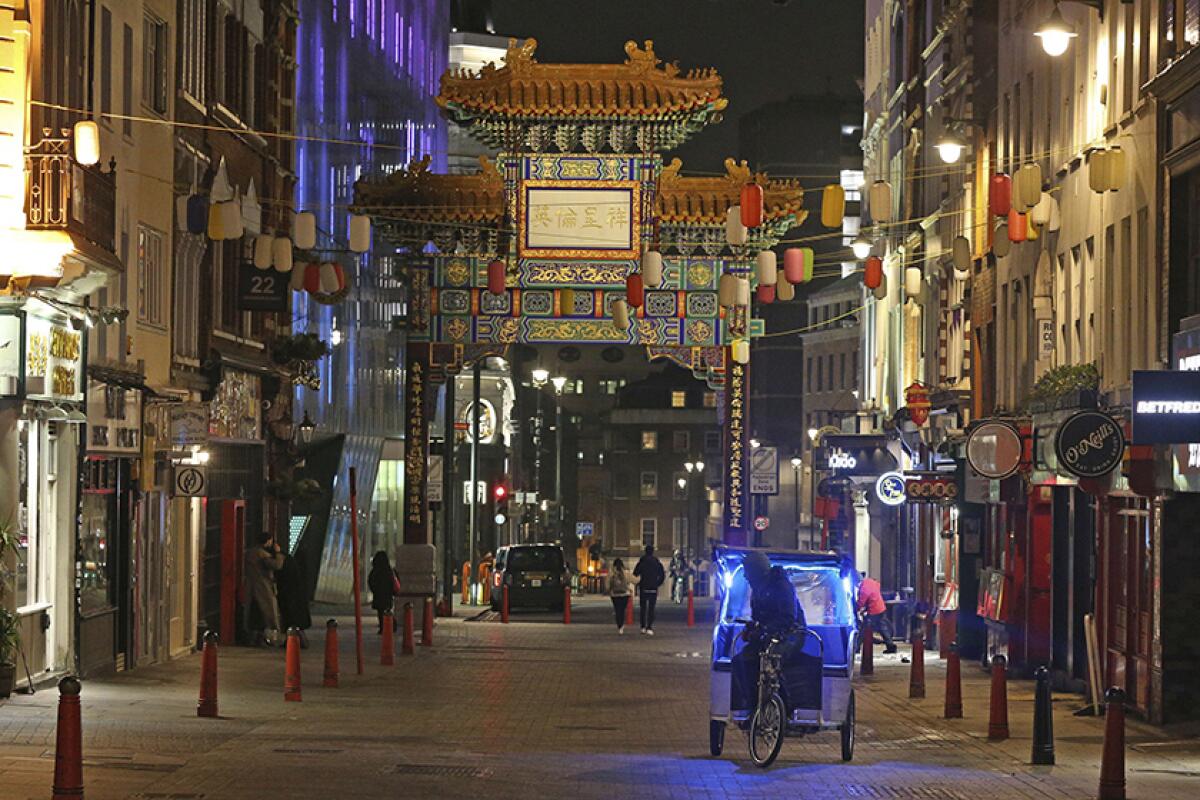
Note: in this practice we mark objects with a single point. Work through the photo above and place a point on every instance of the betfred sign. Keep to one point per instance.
(1166, 407)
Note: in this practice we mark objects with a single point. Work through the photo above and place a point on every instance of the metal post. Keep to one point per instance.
(358, 634)
(796, 497)
(448, 480)
(473, 529)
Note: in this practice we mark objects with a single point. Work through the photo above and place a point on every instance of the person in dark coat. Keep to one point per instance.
(650, 575)
(293, 597)
(775, 611)
(382, 582)
(260, 565)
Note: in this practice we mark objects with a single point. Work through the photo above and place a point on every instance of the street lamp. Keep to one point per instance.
(540, 376)
(1056, 33)
(950, 146)
(861, 246)
(559, 383)
(682, 483)
(693, 468)
(812, 435)
(796, 462)
(305, 429)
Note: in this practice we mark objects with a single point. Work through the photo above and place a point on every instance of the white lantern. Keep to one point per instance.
(881, 201)
(620, 312)
(232, 224)
(1040, 214)
(1115, 173)
(296, 280)
(329, 279)
(652, 268)
(1055, 221)
(962, 252)
(1027, 187)
(741, 351)
(304, 230)
(912, 281)
(87, 142)
(281, 254)
(882, 289)
(784, 290)
(262, 251)
(767, 269)
(741, 294)
(735, 231)
(360, 233)
(1098, 171)
(1000, 241)
(727, 290)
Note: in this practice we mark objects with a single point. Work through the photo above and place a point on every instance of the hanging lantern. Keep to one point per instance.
(1055, 221)
(766, 268)
(880, 291)
(197, 214)
(873, 272)
(752, 205)
(912, 281)
(1031, 231)
(635, 290)
(328, 279)
(833, 206)
(304, 230)
(1040, 213)
(341, 276)
(962, 252)
(917, 398)
(296, 280)
(1027, 187)
(881, 201)
(652, 268)
(281, 254)
(216, 223)
(741, 295)
(87, 142)
(1000, 194)
(765, 293)
(1115, 173)
(232, 224)
(793, 264)
(727, 290)
(360, 233)
(784, 290)
(262, 251)
(740, 350)
(1098, 165)
(620, 312)
(1001, 244)
(808, 263)
(566, 302)
(312, 278)
(1017, 231)
(735, 231)
(495, 276)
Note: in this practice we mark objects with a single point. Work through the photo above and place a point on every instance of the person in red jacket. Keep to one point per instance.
(870, 602)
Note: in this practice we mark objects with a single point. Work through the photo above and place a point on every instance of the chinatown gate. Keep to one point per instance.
(578, 191)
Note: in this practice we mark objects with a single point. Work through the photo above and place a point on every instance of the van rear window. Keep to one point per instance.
(535, 559)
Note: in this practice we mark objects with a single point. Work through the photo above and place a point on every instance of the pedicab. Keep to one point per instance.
(802, 688)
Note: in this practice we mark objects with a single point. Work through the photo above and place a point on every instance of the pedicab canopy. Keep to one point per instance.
(826, 585)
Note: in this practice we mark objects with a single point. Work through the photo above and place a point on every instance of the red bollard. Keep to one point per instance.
(691, 608)
(387, 649)
(566, 605)
(629, 611)
(331, 654)
(916, 678)
(504, 604)
(68, 748)
(954, 707)
(291, 681)
(207, 707)
(406, 648)
(1112, 761)
(427, 624)
(867, 665)
(998, 717)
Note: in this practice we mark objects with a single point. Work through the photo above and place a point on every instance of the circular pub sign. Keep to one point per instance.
(994, 449)
(1089, 444)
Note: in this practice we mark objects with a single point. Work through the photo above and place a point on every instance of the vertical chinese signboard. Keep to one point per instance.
(737, 419)
(416, 452)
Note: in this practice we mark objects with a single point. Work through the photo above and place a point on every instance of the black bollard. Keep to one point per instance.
(1043, 720)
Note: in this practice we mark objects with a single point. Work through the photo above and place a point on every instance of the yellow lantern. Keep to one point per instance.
(87, 142)
(881, 201)
(833, 205)
(740, 350)
(784, 290)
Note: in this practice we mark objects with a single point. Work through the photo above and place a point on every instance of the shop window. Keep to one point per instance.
(649, 484)
(99, 519)
(649, 440)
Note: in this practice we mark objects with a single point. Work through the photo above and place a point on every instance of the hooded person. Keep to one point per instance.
(775, 612)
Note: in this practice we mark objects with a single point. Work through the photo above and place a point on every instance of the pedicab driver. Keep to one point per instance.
(774, 610)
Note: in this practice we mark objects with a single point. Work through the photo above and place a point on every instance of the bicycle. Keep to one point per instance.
(769, 721)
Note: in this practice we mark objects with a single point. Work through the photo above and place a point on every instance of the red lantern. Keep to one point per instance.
(635, 292)
(793, 265)
(752, 205)
(765, 293)
(312, 278)
(1000, 194)
(873, 272)
(1018, 230)
(917, 397)
(496, 276)
(341, 276)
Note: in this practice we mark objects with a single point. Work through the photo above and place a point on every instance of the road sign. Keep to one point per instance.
(762, 523)
(191, 480)
(764, 470)
(584, 529)
(433, 488)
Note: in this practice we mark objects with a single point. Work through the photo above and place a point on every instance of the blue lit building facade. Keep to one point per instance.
(367, 71)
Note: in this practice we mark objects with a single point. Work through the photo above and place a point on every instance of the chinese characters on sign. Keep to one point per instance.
(53, 360)
(580, 219)
(737, 505)
(417, 444)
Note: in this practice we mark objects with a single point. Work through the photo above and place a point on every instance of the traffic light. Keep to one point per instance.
(500, 503)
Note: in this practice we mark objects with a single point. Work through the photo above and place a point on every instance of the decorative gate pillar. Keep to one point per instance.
(737, 427)
(416, 444)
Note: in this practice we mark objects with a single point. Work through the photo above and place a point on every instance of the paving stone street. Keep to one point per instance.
(536, 708)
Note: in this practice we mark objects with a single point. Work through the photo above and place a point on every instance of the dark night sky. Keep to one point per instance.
(764, 51)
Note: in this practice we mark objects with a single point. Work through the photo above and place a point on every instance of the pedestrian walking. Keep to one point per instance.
(293, 597)
(620, 589)
(384, 585)
(870, 601)
(262, 608)
(650, 574)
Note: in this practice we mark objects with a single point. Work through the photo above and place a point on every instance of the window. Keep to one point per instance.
(154, 64)
(578, 386)
(649, 440)
(679, 490)
(649, 486)
(106, 63)
(710, 399)
(127, 80)
(679, 532)
(234, 65)
(808, 368)
(649, 532)
(712, 441)
(681, 441)
(225, 260)
(678, 399)
(841, 370)
(193, 47)
(151, 278)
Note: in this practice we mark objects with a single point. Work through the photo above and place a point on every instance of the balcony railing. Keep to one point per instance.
(62, 194)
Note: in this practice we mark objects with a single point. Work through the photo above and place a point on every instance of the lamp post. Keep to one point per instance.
(560, 383)
(539, 377)
(693, 468)
(305, 429)
(797, 462)
(813, 434)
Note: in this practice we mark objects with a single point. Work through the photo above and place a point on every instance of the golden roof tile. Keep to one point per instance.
(416, 194)
(705, 200)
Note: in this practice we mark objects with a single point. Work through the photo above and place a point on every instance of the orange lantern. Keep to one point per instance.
(495, 280)
(1000, 194)
(1018, 231)
(873, 272)
(752, 205)
(765, 293)
(635, 292)
(917, 398)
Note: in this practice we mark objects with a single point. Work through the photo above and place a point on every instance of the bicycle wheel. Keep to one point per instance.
(848, 730)
(766, 731)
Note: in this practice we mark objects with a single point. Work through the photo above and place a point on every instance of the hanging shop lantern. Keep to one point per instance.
(727, 290)
(917, 398)
(1054, 223)
(1017, 230)
(262, 251)
(304, 230)
(495, 276)
(808, 263)
(1000, 194)
(766, 268)
(912, 281)
(1115, 173)
(652, 268)
(880, 291)
(1031, 230)
(566, 302)
(232, 224)
(360, 233)
(793, 264)
(1027, 187)
(215, 229)
(296, 279)
(752, 205)
(635, 290)
(741, 295)
(1001, 244)
(833, 206)
(341, 276)
(1098, 161)
(197, 214)
(620, 312)
(281, 254)
(312, 278)
(740, 350)
(735, 231)
(765, 293)
(87, 142)
(873, 272)
(1040, 213)
(328, 279)
(881, 201)
(962, 252)
(784, 290)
